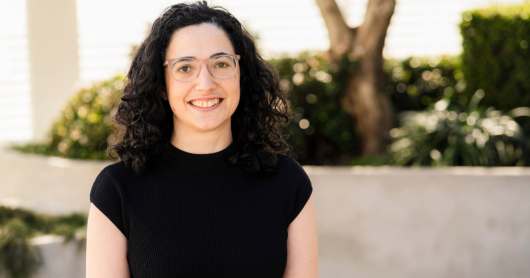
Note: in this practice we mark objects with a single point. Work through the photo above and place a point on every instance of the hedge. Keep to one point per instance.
(412, 84)
(416, 82)
(18, 257)
(321, 132)
(496, 55)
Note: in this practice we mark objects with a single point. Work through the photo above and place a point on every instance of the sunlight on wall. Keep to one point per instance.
(15, 104)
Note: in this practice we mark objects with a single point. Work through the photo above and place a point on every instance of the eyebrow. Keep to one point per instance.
(211, 56)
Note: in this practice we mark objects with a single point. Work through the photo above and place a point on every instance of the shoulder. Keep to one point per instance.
(291, 176)
(110, 178)
(107, 193)
(297, 185)
(290, 169)
(114, 171)
(286, 162)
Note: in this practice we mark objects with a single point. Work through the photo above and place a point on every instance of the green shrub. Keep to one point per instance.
(412, 84)
(438, 136)
(84, 127)
(415, 83)
(314, 86)
(20, 259)
(321, 132)
(496, 55)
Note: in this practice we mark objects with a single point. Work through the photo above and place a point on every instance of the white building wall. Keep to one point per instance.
(15, 101)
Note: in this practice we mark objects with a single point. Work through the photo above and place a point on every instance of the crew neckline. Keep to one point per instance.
(193, 161)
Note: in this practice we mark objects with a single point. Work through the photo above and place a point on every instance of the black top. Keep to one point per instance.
(198, 216)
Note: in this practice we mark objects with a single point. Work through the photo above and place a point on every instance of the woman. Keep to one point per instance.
(203, 187)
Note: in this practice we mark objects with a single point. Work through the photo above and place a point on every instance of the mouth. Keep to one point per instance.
(205, 104)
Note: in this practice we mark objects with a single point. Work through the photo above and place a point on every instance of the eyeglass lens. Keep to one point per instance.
(187, 69)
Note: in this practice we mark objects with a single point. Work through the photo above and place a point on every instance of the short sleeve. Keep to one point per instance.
(106, 195)
(303, 190)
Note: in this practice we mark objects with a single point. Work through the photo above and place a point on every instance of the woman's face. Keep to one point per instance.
(201, 42)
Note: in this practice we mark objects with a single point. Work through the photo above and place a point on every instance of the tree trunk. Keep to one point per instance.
(365, 98)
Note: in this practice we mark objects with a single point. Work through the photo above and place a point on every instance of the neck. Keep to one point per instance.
(200, 141)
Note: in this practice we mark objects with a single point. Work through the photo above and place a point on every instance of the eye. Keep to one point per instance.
(184, 69)
(222, 65)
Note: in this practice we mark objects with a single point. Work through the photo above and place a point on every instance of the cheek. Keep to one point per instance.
(175, 97)
(236, 96)
(168, 84)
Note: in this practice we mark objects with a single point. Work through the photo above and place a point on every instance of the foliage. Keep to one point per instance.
(415, 83)
(314, 86)
(20, 259)
(321, 132)
(496, 54)
(438, 136)
(83, 130)
(17, 257)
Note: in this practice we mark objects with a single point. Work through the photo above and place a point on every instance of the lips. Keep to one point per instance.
(205, 103)
(206, 109)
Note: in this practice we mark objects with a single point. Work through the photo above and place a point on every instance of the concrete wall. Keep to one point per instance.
(455, 222)
(47, 184)
(372, 222)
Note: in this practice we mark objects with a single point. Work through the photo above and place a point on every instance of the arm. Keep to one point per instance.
(106, 253)
(302, 245)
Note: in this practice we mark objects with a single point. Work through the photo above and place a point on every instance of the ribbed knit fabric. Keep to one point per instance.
(198, 216)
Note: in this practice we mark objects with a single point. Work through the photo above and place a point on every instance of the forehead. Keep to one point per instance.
(199, 41)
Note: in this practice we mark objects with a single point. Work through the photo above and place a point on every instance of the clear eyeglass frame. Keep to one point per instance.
(170, 63)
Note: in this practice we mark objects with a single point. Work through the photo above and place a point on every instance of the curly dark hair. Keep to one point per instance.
(145, 119)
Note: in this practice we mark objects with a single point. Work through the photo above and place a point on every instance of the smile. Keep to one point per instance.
(205, 106)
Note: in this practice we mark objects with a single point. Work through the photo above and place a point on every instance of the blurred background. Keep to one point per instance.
(411, 118)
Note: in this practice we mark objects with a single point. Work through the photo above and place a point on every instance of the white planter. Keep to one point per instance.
(49, 185)
(60, 260)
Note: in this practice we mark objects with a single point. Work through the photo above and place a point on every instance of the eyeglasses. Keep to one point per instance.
(187, 68)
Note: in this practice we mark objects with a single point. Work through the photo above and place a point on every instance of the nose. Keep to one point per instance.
(205, 80)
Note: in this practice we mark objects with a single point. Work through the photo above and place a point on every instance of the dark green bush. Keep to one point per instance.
(321, 132)
(20, 259)
(452, 137)
(314, 86)
(415, 83)
(85, 125)
(496, 55)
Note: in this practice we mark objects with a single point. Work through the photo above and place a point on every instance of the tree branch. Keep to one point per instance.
(377, 19)
(340, 35)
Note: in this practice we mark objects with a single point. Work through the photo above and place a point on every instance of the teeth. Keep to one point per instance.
(205, 104)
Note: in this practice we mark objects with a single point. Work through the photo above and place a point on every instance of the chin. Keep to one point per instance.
(208, 126)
